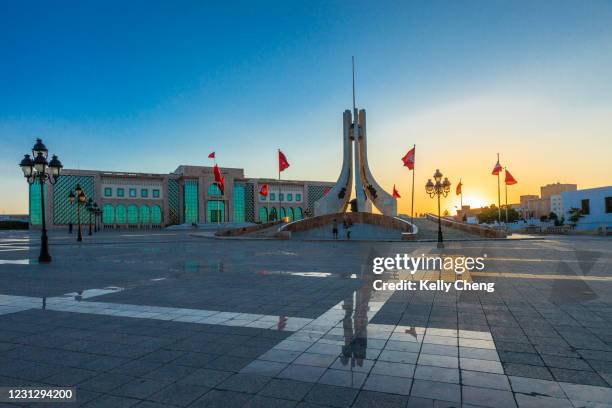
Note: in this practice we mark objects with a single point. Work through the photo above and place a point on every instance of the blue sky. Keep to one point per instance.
(146, 86)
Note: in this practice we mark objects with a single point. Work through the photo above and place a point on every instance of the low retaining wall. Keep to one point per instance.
(356, 218)
(234, 232)
(471, 228)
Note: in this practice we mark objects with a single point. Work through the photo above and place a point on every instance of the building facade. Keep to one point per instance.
(187, 195)
(595, 205)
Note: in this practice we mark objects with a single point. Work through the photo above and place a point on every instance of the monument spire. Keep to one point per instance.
(354, 107)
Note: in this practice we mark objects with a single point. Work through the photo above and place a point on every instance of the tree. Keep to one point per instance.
(543, 218)
(490, 215)
(553, 216)
(575, 214)
(445, 213)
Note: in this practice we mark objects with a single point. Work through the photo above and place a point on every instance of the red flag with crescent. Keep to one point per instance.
(396, 193)
(264, 190)
(459, 188)
(283, 164)
(408, 158)
(211, 155)
(509, 179)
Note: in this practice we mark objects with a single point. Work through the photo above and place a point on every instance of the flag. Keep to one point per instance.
(396, 193)
(459, 187)
(283, 164)
(217, 174)
(408, 159)
(222, 185)
(496, 169)
(211, 155)
(509, 179)
(264, 190)
(327, 190)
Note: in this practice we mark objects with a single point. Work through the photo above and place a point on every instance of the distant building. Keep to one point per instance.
(595, 205)
(187, 195)
(556, 205)
(555, 189)
(551, 200)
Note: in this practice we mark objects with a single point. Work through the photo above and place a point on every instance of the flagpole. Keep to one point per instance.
(280, 199)
(498, 195)
(506, 184)
(412, 200)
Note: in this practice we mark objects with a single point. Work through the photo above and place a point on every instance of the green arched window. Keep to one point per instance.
(298, 214)
(145, 215)
(132, 214)
(290, 213)
(273, 215)
(283, 214)
(156, 215)
(120, 214)
(215, 211)
(214, 190)
(108, 214)
(263, 214)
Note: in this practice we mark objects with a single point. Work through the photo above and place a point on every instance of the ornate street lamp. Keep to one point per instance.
(79, 196)
(440, 188)
(40, 171)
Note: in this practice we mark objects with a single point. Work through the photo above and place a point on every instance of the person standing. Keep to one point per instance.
(335, 228)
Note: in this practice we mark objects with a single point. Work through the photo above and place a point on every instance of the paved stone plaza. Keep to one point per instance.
(171, 319)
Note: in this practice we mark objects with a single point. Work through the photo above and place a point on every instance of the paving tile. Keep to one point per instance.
(398, 357)
(393, 369)
(317, 360)
(280, 356)
(578, 377)
(248, 383)
(261, 367)
(105, 382)
(436, 390)
(487, 397)
(140, 388)
(438, 361)
(521, 358)
(178, 394)
(524, 370)
(474, 343)
(302, 373)
(536, 386)
(352, 364)
(446, 341)
(439, 374)
(539, 401)
(481, 365)
(418, 402)
(266, 402)
(388, 384)
(567, 363)
(222, 398)
(403, 346)
(588, 393)
(343, 378)
(205, 377)
(440, 350)
(111, 401)
(286, 389)
(330, 395)
(479, 354)
(485, 380)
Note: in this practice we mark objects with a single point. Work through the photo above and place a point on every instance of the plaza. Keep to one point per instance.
(168, 318)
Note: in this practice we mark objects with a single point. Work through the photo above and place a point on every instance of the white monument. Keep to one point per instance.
(367, 191)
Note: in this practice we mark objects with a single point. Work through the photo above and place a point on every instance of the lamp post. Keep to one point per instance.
(40, 171)
(81, 199)
(440, 188)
